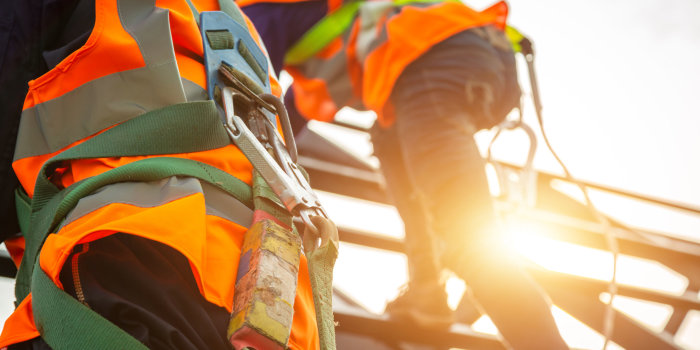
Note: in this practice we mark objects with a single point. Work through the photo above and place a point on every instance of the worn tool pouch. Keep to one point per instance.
(267, 276)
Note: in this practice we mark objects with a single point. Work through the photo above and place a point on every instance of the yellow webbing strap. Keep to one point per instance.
(515, 37)
(321, 260)
(322, 33)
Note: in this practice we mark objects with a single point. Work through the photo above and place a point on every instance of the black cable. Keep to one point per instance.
(529, 54)
(284, 121)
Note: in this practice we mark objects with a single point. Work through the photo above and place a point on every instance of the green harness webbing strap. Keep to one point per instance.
(266, 200)
(65, 323)
(23, 205)
(62, 320)
(223, 39)
(320, 263)
(52, 309)
(181, 128)
(220, 40)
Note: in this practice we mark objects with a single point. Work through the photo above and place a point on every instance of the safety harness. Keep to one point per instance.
(237, 75)
(280, 193)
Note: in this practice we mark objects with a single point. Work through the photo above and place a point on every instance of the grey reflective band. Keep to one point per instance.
(157, 193)
(223, 205)
(93, 107)
(193, 92)
(370, 14)
(112, 99)
(148, 25)
(194, 11)
(334, 72)
(139, 194)
(339, 84)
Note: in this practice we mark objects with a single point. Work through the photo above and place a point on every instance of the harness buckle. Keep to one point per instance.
(237, 70)
(282, 174)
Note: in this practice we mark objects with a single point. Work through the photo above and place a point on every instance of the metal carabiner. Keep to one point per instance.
(293, 171)
(267, 101)
(284, 178)
(526, 183)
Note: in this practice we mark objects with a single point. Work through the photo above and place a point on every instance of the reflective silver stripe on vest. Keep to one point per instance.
(223, 205)
(112, 99)
(157, 193)
(334, 72)
(370, 14)
(194, 92)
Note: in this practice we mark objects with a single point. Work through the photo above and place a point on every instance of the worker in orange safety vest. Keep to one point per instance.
(123, 159)
(435, 72)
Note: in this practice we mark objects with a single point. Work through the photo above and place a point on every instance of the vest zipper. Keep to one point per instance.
(76, 275)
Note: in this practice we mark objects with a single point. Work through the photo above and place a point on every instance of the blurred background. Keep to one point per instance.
(619, 85)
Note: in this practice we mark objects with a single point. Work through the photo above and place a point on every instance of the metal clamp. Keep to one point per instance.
(284, 178)
(523, 189)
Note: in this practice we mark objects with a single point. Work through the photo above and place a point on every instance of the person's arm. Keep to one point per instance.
(30, 45)
(281, 24)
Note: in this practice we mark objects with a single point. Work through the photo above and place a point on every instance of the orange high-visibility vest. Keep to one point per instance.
(141, 56)
(360, 67)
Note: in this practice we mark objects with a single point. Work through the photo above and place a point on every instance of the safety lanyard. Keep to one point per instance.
(237, 76)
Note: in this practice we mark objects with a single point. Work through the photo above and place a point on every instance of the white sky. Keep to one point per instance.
(619, 82)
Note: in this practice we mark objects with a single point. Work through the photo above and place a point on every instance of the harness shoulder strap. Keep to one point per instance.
(188, 127)
(65, 323)
(182, 128)
(23, 205)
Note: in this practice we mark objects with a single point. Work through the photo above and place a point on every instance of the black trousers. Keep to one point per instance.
(145, 288)
(432, 165)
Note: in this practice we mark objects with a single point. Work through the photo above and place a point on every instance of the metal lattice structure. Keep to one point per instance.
(566, 219)
(333, 170)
